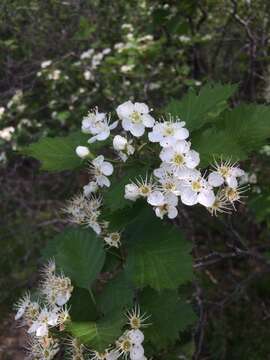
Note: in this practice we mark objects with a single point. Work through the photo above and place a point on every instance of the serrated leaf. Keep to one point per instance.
(80, 254)
(193, 108)
(98, 335)
(212, 144)
(58, 153)
(158, 254)
(82, 307)
(116, 294)
(169, 316)
(247, 125)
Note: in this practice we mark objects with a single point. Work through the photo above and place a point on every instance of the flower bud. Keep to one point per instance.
(82, 151)
(119, 142)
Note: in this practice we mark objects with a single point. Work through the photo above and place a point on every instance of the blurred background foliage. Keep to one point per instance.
(58, 59)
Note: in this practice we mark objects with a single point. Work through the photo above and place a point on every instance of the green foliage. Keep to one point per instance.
(58, 153)
(117, 294)
(99, 335)
(158, 254)
(196, 109)
(169, 316)
(80, 254)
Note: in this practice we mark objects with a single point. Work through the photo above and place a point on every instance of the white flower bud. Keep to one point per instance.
(119, 142)
(137, 352)
(136, 336)
(82, 151)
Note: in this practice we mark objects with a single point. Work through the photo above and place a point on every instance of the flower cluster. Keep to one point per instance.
(177, 177)
(130, 343)
(49, 312)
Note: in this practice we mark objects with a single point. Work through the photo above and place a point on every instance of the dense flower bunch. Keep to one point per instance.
(49, 311)
(177, 178)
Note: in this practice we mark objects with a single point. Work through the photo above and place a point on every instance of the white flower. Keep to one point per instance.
(196, 189)
(136, 336)
(132, 192)
(155, 198)
(88, 75)
(101, 169)
(90, 188)
(123, 146)
(45, 64)
(82, 151)
(45, 319)
(136, 319)
(97, 124)
(180, 155)
(225, 172)
(113, 239)
(135, 117)
(2, 110)
(22, 306)
(167, 133)
(87, 54)
(6, 133)
(136, 352)
(55, 75)
(168, 207)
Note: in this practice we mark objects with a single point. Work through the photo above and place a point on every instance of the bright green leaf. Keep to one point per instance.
(196, 110)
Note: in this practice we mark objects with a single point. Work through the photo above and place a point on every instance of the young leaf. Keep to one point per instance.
(194, 109)
(98, 335)
(117, 294)
(158, 254)
(169, 316)
(80, 254)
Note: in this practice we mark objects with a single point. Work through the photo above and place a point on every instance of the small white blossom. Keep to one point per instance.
(135, 117)
(123, 146)
(90, 188)
(225, 172)
(113, 239)
(82, 151)
(167, 133)
(45, 319)
(180, 155)
(22, 305)
(45, 64)
(100, 169)
(2, 110)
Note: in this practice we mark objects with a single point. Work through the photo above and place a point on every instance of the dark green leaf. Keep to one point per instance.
(158, 254)
(80, 254)
(169, 316)
(98, 335)
(117, 294)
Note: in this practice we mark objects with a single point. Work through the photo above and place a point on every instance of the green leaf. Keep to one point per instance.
(82, 307)
(99, 335)
(247, 125)
(80, 254)
(58, 153)
(117, 294)
(213, 144)
(169, 316)
(158, 254)
(196, 110)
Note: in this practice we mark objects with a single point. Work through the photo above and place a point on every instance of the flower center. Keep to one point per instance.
(232, 194)
(196, 186)
(136, 117)
(145, 190)
(178, 159)
(168, 131)
(224, 171)
(135, 322)
(115, 237)
(126, 345)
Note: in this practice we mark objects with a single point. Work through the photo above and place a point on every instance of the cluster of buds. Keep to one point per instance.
(49, 312)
